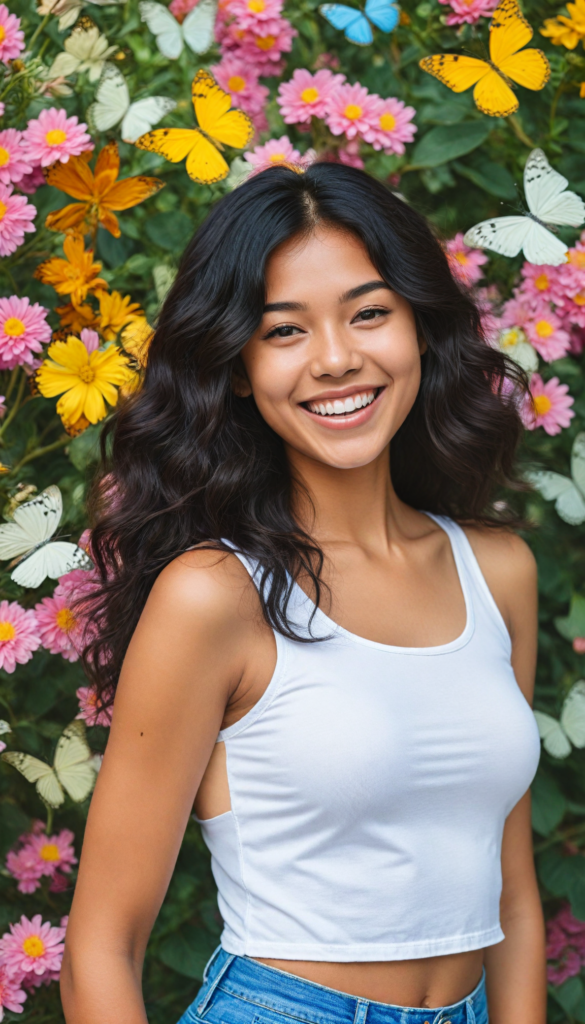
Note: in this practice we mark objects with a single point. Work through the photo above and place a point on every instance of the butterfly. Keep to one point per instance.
(218, 127)
(568, 494)
(86, 49)
(509, 32)
(548, 203)
(382, 13)
(28, 539)
(73, 770)
(112, 105)
(68, 10)
(558, 736)
(196, 30)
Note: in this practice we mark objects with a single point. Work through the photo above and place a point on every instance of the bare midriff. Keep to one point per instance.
(429, 982)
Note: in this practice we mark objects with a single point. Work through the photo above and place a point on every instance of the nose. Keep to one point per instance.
(334, 353)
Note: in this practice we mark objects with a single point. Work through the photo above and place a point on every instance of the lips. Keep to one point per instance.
(339, 411)
(342, 406)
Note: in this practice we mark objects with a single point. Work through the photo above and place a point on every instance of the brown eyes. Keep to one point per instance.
(288, 330)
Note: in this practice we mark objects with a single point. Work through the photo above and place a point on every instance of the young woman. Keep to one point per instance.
(324, 632)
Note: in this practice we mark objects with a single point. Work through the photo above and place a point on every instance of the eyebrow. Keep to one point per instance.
(353, 293)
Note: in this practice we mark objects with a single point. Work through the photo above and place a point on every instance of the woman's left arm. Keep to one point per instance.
(516, 967)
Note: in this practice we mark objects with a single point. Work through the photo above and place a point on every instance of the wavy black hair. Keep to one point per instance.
(190, 462)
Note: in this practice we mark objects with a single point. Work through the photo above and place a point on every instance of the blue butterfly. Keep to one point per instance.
(384, 14)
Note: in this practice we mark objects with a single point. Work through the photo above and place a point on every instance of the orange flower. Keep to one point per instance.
(75, 318)
(99, 191)
(76, 275)
(136, 339)
(116, 312)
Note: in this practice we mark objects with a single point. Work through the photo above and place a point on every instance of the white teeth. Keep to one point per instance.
(341, 407)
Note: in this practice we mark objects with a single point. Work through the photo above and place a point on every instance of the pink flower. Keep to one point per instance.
(255, 14)
(19, 635)
(240, 79)
(32, 947)
(572, 300)
(306, 95)
(31, 182)
(23, 330)
(391, 126)
(540, 282)
(90, 339)
(276, 151)
(565, 943)
(548, 405)
(180, 8)
(13, 163)
(40, 855)
(546, 333)
(263, 48)
(58, 626)
(11, 35)
(89, 711)
(54, 136)
(11, 995)
(579, 645)
(23, 864)
(351, 109)
(16, 216)
(350, 155)
(465, 263)
(469, 11)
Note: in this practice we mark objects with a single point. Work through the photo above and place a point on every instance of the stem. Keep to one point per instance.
(40, 28)
(16, 405)
(554, 104)
(49, 819)
(39, 452)
(519, 131)
(11, 383)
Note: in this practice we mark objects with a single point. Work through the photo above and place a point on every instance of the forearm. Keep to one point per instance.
(516, 968)
(101, 988)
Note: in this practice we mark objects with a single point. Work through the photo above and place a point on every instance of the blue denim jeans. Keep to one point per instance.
(238, 990)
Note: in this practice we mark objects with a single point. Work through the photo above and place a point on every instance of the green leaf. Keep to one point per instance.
(85, 448)
(492, 178)
(573, 625)
(570, 995)
(170, 231)
(187, 951)
(548, 804)
(447, 142)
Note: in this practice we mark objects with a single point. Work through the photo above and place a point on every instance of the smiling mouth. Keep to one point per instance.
(340, 407)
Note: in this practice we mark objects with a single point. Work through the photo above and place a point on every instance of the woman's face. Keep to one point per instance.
(334, 366)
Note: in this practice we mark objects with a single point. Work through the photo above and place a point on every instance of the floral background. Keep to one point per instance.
(91, 229)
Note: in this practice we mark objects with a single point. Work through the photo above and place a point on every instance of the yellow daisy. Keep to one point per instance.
(116, 312)
(83, 379)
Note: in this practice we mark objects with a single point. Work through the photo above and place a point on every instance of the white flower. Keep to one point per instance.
(86, 49)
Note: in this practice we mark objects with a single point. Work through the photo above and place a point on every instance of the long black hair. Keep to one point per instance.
(190, 462)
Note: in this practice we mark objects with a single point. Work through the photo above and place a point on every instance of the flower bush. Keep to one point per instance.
(91, 230)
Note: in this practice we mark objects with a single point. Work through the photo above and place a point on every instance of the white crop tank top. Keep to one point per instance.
(369, 789)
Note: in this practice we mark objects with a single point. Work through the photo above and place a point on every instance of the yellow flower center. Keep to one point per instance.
(86, 374)
(544, 329)
(55, 137)
(387, 122)
(265, 42)
(65, 618)
(541, 282)
(511, 338)
(33, 945)
(3, 206)
(2, 33)
(50, 851)
(236, 83)
(542, 404)
(310, 94)
(277, 158)
(256, 6)
(577, 258)
(14, 327)
(579, 298)
(4, 156)
(461, 258)
(7, 632)
(352, 111)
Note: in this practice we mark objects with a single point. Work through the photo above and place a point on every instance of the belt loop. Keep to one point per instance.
(202, 1006)
(210, 963)
(470, 1012)
(361, 1011)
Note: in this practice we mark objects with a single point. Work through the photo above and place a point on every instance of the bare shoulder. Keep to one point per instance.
(209, 583)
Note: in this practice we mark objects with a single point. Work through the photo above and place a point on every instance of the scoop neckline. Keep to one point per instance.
(453, 645)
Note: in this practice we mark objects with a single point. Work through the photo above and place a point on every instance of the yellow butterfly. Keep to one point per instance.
(509, 32)
(218, 127)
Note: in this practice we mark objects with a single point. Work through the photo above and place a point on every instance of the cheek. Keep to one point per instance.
(273, 374)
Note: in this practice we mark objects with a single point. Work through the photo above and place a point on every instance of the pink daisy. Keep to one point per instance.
(19, 635)
(255, 14)
(465, 263)
(13, 163)
(11, 35)
(91, 340)
(351, 109)
(276, 151)
(548, 405)
(241, 80)
(546, 334)
(572, 298)
(89, 711)
(579, 645)
(469, 11)
(54, 136)
(11, 994)
(23, 864)
(31, 182)
(180, 8)
(58, 626)
(517, 312)
(306, 95)
(16, 216)
(391, 126)
(565, 944)
(350, 155)
(55, 853)
(265, 48)
(540, 282)
(32, 947)
(23, 330)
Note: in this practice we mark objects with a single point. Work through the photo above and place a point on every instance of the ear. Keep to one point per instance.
(422, 345)
(240, 383)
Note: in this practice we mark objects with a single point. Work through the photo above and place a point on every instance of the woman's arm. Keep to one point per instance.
(516, 967)
(183, 664)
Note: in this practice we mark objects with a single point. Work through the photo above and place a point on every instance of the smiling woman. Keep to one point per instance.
(320, 631)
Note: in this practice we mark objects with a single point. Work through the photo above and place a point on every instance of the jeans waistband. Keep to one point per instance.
(276, 990)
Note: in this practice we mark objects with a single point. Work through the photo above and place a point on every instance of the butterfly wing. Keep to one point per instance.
(457, 72)
(198, 26)
(573, 714)
(529, 68)
(546, 195)
(542, 247)
(166, 28)
(72, 762)
(552, 735)
(505, 235)
(141, 116)
(571, 506)
(205, 163)
(40, 517)
(578, 462)
(509, 31)
(349, 20)
(34, 770)
(112, 100)
(494, 97)
(54, 560)
(550, 485)
(212, 109)
(172, 143)
(383, 14)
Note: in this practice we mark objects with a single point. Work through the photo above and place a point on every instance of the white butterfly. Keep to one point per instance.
(112, 104)
(196, 30)
(86, 49)
(558, 736)
(73, 770)
(568, 495)
(548, 203)
(68, 10)
(28, 539)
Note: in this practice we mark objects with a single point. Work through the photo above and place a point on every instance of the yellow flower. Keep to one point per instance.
(136, 339)
(116, 312)
(582, 90)
(76, 275)
(83, 379)
(563, 31)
